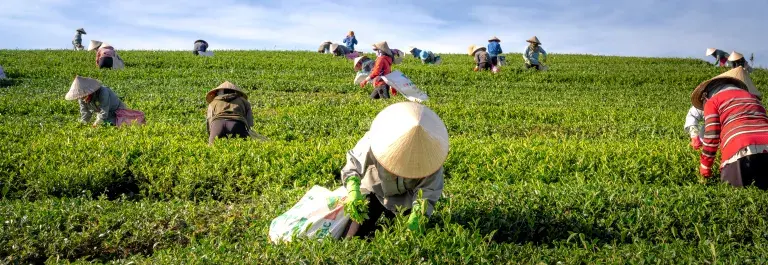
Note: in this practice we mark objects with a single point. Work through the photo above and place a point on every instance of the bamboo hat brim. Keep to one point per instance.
(82, 87)
(737, 75)
(226, 85)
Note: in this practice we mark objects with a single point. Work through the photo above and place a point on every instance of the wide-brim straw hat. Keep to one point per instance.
(710, 51)
(384, 47)
(81, 30)
(737, 75)
(735, 56)
(94, 45)
(494, 38)
(82, 87)
(226, 85)
(409, 140)
(358, 60)
(534, 39)
(477, 48)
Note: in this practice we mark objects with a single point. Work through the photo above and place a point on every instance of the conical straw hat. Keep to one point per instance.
(710, 51)
(737, 75)
(81, 30)
(82, 87)
(358, 60)
(226, 85)
(494, 38)
(534, 39)
(477, 48)
(94, 45)
(334, 47)
(471, 49)
(735, 56)
(409, 140)
(384, 47)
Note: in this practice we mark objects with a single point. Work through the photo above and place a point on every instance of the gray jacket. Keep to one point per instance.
(104, 104)
(391, 190)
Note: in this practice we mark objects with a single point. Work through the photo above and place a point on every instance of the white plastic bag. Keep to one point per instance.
(359, 78)
(403, 85)
(206, 53)
(319, 214)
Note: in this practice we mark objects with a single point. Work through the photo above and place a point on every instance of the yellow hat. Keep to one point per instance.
(737, 75)
(82, 87)
(409, 140)
(226, 85)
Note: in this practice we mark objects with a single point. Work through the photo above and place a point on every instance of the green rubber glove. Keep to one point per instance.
(417, 212)
(355, 206)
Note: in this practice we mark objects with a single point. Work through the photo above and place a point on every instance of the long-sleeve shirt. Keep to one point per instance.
(78, 40)
(390, 190)
(107, 51)
(230, 106)
(424, 55)
(350, 42)
(733, 119)
(494, 48)
(721, 57)
(341, 50)
(104, 103)
(481, 58)
(531, 56)
(382, 67)
(200, 46)
(743, 63)
(692, 122)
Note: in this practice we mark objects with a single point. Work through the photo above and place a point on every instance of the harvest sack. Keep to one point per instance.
(359, 78)
(319, 214)
(403, 85)
(352, 55)
(118, 63)
(129, 117)
(205, 53)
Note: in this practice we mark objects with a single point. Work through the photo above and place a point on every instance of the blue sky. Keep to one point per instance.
(633, 28)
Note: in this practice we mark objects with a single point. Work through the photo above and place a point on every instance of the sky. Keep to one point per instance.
(684, 28)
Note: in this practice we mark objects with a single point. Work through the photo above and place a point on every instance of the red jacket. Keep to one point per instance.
(733, 119)
(382, 67)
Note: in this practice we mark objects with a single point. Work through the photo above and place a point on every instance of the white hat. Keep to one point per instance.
(358, 60)
(409, 140)
(710, 51)
(94, 45)
(384, 47)
(735, 56)
(334, 47)
(82, 87)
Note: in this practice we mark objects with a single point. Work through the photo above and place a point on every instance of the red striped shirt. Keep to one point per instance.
(733, 119)
(382, 67)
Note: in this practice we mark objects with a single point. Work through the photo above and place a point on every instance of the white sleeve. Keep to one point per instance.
(692, 120)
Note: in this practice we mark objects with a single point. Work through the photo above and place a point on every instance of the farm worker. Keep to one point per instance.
(77, 42)
(735, 121)
(382, 67)
(2, 73)
(720, 56)
(363, 65)
(402, 153)
(693, 126)
(737, 59)
(325, 47)
(494, 50)
(94, 98)
(339, 50)
(105, 56)
(426, 57)
(482, 59)
(350, 41)
(531, 54)
(200, 46)
(229, 112)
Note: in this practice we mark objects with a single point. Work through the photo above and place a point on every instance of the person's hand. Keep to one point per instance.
(364, 83)
(354, 205)
(476, 69)
(415, 217)
(696, 142)
(705, 172)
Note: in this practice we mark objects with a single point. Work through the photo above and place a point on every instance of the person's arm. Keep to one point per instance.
(692, 120)
(248, 114)
(356, 159)
(432, 190)
(105, 103)
(525, 55)
(85, 112)
(711, 139)
(354, 39)
(543, 52)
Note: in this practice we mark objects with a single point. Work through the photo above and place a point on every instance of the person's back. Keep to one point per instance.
(741, 120)
(200, 46)
(494, 49)
(350, 41)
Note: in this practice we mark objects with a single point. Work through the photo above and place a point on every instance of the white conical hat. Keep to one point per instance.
(384, 47)
(477, 48)
(334, 46)
(710, 51)
(735, 56)
(737, 75)
(82, 87)
(94, 45)
(357, 60)
(409, 140)
(226, 85)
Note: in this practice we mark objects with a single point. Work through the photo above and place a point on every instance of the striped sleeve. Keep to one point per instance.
(711, 139)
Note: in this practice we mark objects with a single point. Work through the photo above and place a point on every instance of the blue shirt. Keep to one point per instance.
(350, 42)
(424, 55)
(494, 48)
(532, 57)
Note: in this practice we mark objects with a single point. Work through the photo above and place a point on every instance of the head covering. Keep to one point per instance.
(409, 140)
(94, 45)
(710, 51)
(82, 87)
(738, 76)
(226, 85)
(81, 30)
(534, 39)
(334, 47)
(358, 60)
(384, 47)
(494, 38)
(351, 33)
(735, 56)
(477, 48)
(471, 49)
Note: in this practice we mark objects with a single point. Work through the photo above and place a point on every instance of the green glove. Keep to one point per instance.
(416, 214)
(355, 206)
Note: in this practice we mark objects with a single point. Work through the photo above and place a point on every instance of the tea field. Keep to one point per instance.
(585, 163)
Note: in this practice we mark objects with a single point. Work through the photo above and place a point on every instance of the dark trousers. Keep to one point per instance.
(105, 62)
(226, 128)
(380, 92)
(529, 66)
(494, 60)
(748, 170)
(375, 210)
